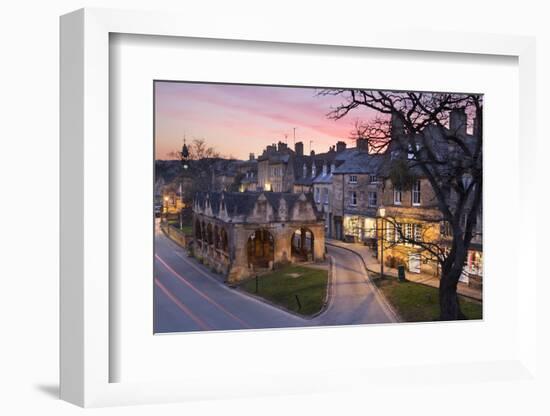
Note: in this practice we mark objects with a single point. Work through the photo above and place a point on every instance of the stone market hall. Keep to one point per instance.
(241, 233)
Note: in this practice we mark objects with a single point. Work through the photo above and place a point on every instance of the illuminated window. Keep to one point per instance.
(417, 232)
(408, 232)
(390, 233)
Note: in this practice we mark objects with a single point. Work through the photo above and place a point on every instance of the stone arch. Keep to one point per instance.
(302, 243)
(223, 239)
(216, 237)
(261, 248)
(198, 230)
(209, 234)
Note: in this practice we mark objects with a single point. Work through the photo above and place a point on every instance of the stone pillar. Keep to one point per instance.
(282, 249)
(319, 243)
(238, 255)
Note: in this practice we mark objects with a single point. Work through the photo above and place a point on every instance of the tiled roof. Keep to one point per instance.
(361, 162)
(242, 203)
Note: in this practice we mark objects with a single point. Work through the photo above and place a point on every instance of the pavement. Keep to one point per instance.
(373, 265)
(188, 297)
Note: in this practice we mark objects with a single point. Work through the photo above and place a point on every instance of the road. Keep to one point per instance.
(188, 297)
(354, 299)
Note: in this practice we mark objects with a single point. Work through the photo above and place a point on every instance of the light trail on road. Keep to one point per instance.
(200, 293)
(182, 307)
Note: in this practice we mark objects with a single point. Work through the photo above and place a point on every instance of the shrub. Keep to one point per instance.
(394, 262)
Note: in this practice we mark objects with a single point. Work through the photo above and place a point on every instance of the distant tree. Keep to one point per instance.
(418, 125)
(198, 149)
(198, 175)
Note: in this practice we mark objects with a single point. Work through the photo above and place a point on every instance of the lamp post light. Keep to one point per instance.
(165, 206)
(381, 214)
(185, 165)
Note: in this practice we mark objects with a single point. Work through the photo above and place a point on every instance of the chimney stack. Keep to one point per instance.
(281, 146)
(340, 146)
(362, 144)
(458, 121)
(251, 156)
(299, 148)
(396, 125)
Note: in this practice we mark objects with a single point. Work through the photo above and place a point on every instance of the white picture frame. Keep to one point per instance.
(85, 212)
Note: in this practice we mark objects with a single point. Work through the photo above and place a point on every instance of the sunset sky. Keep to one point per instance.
(239, 119)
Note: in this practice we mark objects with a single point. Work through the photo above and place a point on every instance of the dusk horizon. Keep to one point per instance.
(238, 119)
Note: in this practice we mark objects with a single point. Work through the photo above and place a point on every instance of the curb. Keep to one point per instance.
(305, 317)
(377, 291)
(328, 295)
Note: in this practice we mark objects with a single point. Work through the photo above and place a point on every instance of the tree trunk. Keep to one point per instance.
(448, 298)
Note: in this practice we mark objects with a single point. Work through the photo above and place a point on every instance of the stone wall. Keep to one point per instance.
(176, 235)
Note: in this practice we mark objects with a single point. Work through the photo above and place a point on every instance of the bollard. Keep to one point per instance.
(401, 273)
(256, 283)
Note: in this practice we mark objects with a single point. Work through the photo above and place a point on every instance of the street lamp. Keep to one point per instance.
(382, 214)
(165, 206)
(185, 164)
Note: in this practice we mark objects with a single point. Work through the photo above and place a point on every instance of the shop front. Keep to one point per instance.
(359, 229)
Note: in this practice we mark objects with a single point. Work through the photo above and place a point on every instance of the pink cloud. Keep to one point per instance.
(238, 119)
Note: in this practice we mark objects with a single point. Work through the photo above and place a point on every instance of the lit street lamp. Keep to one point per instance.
(381, 214)
(185, 164)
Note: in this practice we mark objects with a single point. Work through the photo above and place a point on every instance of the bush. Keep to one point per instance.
(394, 262)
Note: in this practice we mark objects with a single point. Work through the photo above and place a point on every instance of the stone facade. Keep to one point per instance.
(357, 192)
(238, 233)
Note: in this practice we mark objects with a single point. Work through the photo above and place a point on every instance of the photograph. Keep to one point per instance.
(307, 206)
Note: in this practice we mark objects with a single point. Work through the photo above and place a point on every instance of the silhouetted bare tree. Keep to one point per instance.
(431, 134)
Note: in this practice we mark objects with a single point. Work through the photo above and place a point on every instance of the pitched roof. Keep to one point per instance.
(361, 162)
(242, 203)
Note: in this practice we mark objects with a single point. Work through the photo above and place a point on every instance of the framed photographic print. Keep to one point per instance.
(267, 213)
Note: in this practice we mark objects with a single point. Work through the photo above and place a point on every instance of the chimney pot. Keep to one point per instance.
(299, 148)
(340, 146)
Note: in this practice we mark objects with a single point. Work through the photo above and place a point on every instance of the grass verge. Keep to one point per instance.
(282, 286)
(420, 303)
